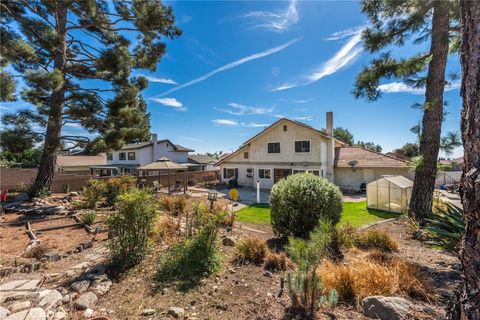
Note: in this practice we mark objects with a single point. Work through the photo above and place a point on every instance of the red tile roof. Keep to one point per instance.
(365, 158)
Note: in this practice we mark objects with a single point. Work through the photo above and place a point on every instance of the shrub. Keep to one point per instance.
(130, 226)
(380, 257)
(446, 227)
(166, 203)
(41, 193)
(191, 259)
(277, 261)
(179, 204)
(166, 229)
(346, 235)
(89, 217)
(341, 278)
(37, 251)
(93, 192)
(233, 194)
(375, 239)
(251, 250)
(298, 203)
(118, 185)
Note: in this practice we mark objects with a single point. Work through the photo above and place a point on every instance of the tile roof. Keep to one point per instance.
(365, 158)
(74, 161)
(201, 158)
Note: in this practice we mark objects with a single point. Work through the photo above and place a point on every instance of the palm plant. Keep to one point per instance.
(446, 227)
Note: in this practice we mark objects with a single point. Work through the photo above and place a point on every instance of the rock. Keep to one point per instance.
(50, 300)
(80, 286)
(88, 313)
(19, 306)
(21, 196)
(73, 194)
(85, 301)
(52, 256)
(148, 312)
(4, 313)
(229, 241)
(12, 285)
(30, 285)
(268, 274)
(385, 308)
(232, 271)
(30, 314)
(60, 315)
(101, 287)
(86, 244)
(176, 312)
(221, 306)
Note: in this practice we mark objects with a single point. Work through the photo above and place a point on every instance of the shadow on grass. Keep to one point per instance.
(260, 205)
(383, 214)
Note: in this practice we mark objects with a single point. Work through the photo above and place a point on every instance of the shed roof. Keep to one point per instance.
(162, 164)
(399, 181)
(365, 158)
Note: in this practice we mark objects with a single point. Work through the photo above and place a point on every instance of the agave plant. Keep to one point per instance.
(446, 227)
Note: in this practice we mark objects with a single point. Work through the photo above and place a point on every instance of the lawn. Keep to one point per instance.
(356, 213)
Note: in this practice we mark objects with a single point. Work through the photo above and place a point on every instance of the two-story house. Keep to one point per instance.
(133, 155)
(287, 147)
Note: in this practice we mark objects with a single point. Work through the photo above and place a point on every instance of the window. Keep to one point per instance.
(285, 127)
(298, 171)
(245, 155)
(273, 147)
(302, 146)
(249, 172)
(153, 173)
(264, 173)
(131, 156)
(122, 156)
(230, 173)
(109, 156)
(315, 172)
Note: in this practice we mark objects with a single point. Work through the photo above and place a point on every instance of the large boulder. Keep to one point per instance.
(50, 300)
(386, 308)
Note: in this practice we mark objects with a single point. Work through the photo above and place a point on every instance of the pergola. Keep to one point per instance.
(165, 166)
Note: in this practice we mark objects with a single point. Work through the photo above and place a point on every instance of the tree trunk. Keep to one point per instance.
(425, 173)
(468, 304)
(52, 143)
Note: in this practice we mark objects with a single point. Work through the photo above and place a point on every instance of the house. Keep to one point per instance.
(287, 147)
(201, 162)
(133, 155)
(79, 162)
(452, 165)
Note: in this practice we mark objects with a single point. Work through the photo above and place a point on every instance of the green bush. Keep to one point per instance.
(191, 259)
(375, 239)
(118, 185)
(298, 202)
(130, 226)
(89, 217)
(93, 192)
(251, 250)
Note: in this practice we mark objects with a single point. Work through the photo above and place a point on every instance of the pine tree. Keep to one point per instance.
(393, 23)
(468, 304)
(75, 59)
(344, 135)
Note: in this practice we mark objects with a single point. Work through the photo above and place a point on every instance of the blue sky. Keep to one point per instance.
(238, 66)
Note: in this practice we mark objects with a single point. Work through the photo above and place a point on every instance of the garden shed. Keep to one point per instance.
(389, 193)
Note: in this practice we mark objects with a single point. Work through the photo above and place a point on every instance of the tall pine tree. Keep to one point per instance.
(75, 63)
(468, 304)
(393, 23)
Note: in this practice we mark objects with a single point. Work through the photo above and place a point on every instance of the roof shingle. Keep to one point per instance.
(365, 158)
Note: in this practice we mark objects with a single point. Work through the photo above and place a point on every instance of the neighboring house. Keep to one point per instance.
(453, 164)
(201, 162)
(79, 163)
(133, 155)
(287, 147)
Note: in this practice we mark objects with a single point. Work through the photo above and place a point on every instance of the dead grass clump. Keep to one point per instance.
(38, 251)
(251, 250)
(346, 235)
(376, 239)
(363, 278)
(166, 229)
(277, 261)
(166, 203)
(380, 257)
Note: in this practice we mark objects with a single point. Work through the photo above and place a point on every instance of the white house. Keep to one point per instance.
(202, 162)
(288, 147)
(133, 155)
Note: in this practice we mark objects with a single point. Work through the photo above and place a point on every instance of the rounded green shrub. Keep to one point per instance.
(298, 202)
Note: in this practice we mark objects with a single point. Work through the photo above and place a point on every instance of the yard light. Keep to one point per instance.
(212, 197)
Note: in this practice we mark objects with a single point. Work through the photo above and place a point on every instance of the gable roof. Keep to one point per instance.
(75, 161)
(246, 143)
(201, 158)
(365, 158)
(140, 145)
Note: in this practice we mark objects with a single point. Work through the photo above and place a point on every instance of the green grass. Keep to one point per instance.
(358, 215)
(354, 212)
(256, 213)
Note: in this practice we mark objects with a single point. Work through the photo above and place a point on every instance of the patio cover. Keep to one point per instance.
(163, 164)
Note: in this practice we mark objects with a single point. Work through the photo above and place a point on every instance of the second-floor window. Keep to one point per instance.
(131, 156)
(273, 147)
(109, 156)
(302, 146)
(122, 156)
(245, 155)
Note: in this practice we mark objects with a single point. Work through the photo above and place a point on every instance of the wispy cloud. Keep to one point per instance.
(347, 53)
(159, 80)
(242, 110)
(275, 21)
(299, 118)
(170, 102)
(191, 139)
(345, 33)
(297, 100)
(400, 87)
(232, 123)
(231, 65)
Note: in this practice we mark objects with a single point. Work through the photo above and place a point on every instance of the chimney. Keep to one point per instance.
(329, 124)
(155, 153)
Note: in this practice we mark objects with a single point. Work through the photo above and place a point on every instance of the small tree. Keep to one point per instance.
(130, 226)
(298, 202)
(233, 194)
(344, 135)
